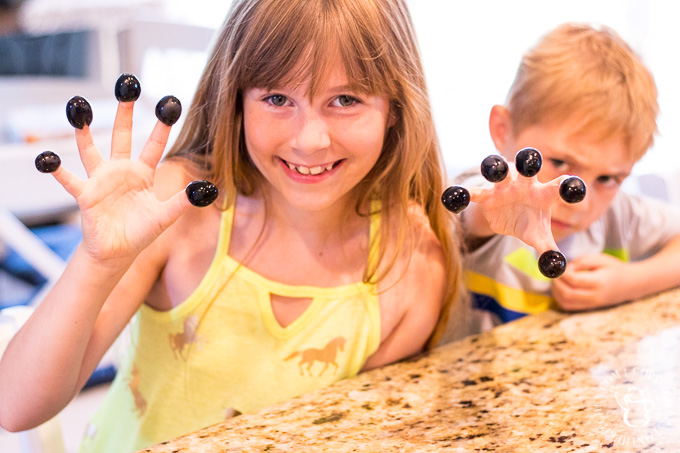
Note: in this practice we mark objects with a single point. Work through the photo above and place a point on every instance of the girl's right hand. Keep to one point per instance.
(120, 213)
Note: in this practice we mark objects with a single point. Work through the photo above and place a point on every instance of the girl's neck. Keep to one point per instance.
(318, 225)
(329, 247)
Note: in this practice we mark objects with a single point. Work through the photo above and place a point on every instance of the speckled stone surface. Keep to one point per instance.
(604, 381)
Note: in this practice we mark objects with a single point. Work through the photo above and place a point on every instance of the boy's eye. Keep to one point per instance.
(278, 100)
(608, 181)
(346, 101)
(559, 164)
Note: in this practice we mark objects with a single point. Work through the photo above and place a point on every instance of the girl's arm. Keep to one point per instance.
(593, 281)
(411, 298)
(112, 270)
(51, 357)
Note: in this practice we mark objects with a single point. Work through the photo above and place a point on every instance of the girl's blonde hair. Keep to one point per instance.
(579, 71)
(271, 43)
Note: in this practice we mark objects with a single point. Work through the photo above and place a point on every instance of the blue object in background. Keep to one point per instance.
(21, 282)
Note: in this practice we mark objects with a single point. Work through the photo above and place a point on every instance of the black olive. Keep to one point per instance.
(47, 162)
(201, 193)
(79, 112)
(168, 110)
(494, 168)
(552, 263)
(573, 189)
(528, 162)
(127, 88)
(456, 198)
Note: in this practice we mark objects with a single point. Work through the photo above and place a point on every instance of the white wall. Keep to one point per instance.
(471, 51)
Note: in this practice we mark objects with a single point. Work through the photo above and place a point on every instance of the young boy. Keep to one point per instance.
(588, 104)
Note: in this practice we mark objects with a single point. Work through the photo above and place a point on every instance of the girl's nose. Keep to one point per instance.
(312, 134)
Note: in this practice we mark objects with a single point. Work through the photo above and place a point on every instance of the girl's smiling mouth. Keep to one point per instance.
(310, 171)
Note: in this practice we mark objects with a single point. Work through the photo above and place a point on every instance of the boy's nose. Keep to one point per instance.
(312, 134)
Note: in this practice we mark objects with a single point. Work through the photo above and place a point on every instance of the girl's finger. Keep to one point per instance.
(121, 141)
(89, 154)
(69, 181)
(155, 145)
(175, 207)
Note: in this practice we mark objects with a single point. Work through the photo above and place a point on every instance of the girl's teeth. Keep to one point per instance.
(310, 170)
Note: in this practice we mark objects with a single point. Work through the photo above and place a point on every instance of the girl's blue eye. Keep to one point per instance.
(346, 101)
(278, 100)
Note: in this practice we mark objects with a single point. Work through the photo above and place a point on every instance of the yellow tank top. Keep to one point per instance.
(222, 352)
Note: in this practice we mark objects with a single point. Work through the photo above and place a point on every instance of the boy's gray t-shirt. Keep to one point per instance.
(502, 275)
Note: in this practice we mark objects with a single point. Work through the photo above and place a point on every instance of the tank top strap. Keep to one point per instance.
(225, 230)
(374, 240)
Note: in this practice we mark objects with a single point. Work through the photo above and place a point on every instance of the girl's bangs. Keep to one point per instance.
(304, 48)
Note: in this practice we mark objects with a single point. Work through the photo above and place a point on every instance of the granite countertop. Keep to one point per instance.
(601, 381)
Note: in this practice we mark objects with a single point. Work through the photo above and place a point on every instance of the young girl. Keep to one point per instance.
(328, 252)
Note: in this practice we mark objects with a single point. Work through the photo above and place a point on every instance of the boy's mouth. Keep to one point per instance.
(313, 170)
(559, 224)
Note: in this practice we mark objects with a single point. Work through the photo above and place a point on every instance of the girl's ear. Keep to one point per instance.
(500, 126)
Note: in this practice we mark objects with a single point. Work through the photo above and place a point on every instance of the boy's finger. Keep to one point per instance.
(121, 141)
(479, 194)
(89, 154)
(155, 145)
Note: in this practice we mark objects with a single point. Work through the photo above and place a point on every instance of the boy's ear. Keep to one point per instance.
(500, 126)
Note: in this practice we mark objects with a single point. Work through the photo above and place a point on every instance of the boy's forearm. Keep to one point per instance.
(659, 272)
(44, 358)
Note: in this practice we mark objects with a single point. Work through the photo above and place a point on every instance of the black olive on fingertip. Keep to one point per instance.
(494, 168)
(552, 263)
(573, 189)
(168, 110)
(456, 199)
(79, 112)
(128, 88)
(528, 162)
(201, 193)
(47, 162)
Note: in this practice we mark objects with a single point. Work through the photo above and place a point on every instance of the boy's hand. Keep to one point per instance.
(518, 204)
(591, 281)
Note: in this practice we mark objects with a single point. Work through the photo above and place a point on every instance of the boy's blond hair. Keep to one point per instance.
(590, 74)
